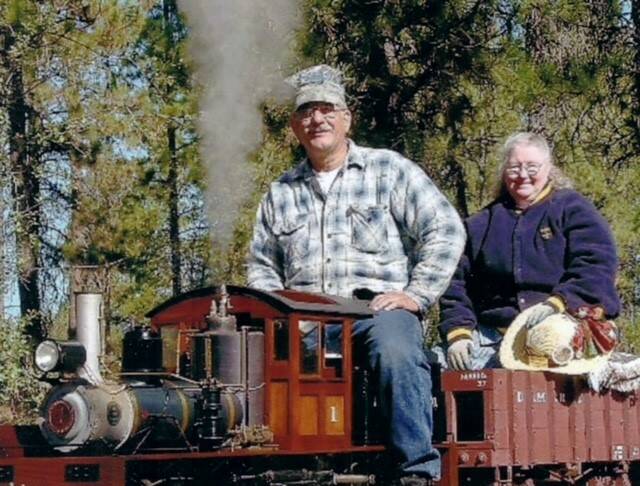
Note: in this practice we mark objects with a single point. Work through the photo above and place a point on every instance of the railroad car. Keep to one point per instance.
(231, 385)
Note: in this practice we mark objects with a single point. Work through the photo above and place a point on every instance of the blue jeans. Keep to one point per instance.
(394, 349)
(485, 349)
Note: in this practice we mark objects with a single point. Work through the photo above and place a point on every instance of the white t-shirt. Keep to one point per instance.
(325, 179)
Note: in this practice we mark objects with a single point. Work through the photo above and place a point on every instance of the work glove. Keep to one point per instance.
(539, 313)
(459, 355)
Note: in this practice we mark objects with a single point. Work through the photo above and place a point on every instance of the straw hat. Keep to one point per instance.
(549, 346)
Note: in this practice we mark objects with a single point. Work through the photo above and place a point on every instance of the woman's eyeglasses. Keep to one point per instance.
(514, 170)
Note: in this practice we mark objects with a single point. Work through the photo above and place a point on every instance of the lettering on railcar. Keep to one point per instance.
(540, 397)
(618, 453)
(536, 397)
(473, 375)
(480, 377)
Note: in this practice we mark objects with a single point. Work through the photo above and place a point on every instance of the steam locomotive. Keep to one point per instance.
(235, 386)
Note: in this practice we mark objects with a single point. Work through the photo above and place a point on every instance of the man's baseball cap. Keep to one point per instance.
(319, 83)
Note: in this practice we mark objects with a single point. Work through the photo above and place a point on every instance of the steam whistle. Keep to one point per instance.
(219, 317)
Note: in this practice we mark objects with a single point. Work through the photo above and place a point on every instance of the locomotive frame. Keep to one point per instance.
(491, 426)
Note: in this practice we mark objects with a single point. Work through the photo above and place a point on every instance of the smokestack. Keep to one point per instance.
(85, 323)
(88, 308)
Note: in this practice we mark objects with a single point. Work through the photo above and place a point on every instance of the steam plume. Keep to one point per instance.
(241, 50)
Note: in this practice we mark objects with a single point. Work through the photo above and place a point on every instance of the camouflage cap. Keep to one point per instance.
(318, 83)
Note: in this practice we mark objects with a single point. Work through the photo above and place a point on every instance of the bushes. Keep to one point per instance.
(20, 391)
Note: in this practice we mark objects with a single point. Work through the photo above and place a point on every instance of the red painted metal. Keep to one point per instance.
(541, 418)
(61, 417)
(50, 471)
(34, 464)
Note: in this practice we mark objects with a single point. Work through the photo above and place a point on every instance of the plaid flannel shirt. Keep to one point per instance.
(383, 225)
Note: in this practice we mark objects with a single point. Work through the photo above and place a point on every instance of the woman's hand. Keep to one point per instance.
(459, 355)
(539, 313)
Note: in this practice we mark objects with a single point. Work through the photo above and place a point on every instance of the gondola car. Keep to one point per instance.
(232, 385)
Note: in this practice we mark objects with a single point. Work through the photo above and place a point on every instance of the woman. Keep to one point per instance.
(539, 244)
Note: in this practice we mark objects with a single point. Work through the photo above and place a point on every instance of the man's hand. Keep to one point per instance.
(459, 355)
(394, 300)
(539, 313)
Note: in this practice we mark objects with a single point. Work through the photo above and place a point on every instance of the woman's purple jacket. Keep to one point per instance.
(559, 246)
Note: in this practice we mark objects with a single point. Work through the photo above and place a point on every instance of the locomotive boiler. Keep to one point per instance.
(146, 407)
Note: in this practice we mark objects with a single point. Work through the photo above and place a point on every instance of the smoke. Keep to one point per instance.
(241, 50)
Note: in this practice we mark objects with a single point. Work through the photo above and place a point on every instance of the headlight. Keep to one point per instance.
(59, 356)
(47, 356)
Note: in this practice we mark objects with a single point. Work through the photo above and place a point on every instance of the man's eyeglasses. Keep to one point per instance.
(514, 170)
(327, 110)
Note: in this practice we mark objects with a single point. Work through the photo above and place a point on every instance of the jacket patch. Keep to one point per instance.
(546, 233)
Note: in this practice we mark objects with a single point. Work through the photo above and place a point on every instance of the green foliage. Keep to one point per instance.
(445, 82)
(402, 60)
(109, 81)
(21, 392)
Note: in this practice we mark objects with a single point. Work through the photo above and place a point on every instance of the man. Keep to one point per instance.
(349, 218)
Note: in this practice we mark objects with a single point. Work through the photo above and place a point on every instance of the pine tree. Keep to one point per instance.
(37, 40)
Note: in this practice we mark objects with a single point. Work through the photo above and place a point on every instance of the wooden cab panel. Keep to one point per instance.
(317, 378)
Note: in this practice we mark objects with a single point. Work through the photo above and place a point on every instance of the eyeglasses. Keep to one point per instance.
(514, 170)
(327, 110)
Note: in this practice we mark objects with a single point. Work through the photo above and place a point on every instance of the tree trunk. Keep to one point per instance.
(169, 12)
(3, 244)
(635, 110)
(25, 193)
(174, 218)
(535, 42)
(456, 172)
